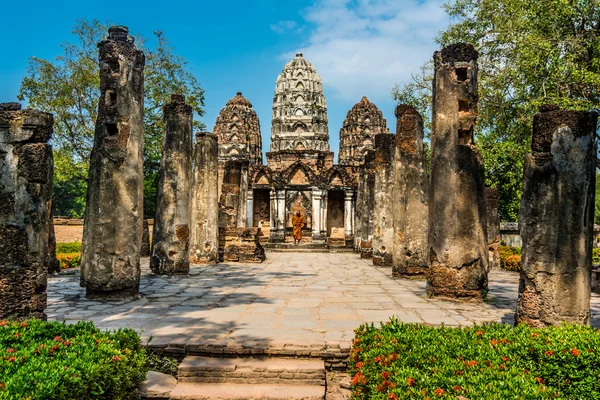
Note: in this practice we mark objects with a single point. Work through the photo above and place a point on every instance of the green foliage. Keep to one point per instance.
(68, 247)
(68, 254)
(597, 205)
(68, 87)
(413, 361)
(530, 54)
(163, 364)
(596, 256)
(510, 258)
(53, 360)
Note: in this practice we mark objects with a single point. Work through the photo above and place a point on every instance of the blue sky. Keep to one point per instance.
(359, 47)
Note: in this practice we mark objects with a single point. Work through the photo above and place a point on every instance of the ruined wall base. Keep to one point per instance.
(448, 283)
(240, 245)
(366, 249)
(494, 255)
(411, 272)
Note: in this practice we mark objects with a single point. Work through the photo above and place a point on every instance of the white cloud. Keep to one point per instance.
(364, 47)
(283, 26)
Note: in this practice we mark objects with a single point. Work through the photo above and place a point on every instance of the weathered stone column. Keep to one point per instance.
(204, 240)
(410, 187)
(348, 222)
(51, 260)
(171, 231)
(145, 249)
(492, 197)
(458, 256)
(366, 187)
(383, 208)
(278, 234)
(112, 233)
(557, 219)
(243, 194)
(249, 208)
(272, 213)
(26, 170)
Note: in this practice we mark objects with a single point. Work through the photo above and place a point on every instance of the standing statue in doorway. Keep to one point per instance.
(298, 223)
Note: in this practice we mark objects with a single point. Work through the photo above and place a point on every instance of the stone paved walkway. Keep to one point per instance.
(299, 298)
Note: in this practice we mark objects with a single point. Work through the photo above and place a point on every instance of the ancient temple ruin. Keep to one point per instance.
(458, 251)
(171, 233)
(492, 198)
(26, 173)
(112, 235)
(557, 219)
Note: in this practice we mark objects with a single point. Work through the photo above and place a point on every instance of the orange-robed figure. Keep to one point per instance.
(298, 223)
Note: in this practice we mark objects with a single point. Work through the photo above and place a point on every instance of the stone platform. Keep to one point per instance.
(308, 300)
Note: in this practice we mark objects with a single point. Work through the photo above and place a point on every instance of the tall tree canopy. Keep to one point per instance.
(531, 53)
(69, 88)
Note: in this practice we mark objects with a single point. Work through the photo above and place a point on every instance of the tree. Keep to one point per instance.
(68, 87)
(530, 54)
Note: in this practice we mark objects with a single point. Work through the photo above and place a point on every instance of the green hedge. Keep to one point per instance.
(53, 360)
(412, 361)
(68, 247)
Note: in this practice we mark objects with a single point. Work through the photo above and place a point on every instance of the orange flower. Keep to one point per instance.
(457, 388)
(57, 338)
(539, 380)
(17, 335)
(479, 333)
(11, 350)
(12, 359)
(410, 382)
(392, 396)
(359, 378)
(2, 385)
(549, 353)
(534, 334)
(505, 359)
(494, 342)
(359, 365)
(575, 352)
(3, 323)
(439, 391)
(115, 359)
(459, 372)
(385, 375)
(23, 324)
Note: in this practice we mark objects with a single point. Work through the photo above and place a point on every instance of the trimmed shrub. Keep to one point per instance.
(498, 361)
(510, 258)
(53, 360)
(68, 247)
(69, 260)
(596, 256)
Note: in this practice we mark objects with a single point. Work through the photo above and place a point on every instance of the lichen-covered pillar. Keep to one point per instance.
(492, 198)
(26, 170)
(458, 254)
(145, 249)
(231, 197)
(112, 233)
(171, 231)
(410, 187)
(204, 219)
(383, 207)
(557, 219)
(366, 187)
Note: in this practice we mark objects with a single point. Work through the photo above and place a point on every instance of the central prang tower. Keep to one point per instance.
(299, 124)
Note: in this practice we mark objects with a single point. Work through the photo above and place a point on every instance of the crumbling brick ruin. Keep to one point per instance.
(458, 254)
(492, 198)
(410, 196)
(383, 205)
(112, 234)
(204, 240)
(557, 219)
(26, 171)
(171, 233)
(365, 206)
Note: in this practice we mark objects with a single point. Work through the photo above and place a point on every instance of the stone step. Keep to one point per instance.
(229, 391)
(252, 370)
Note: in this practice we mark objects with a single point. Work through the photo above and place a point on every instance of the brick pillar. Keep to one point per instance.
(458, 254)
(557, 219)
(112, 233)
(383, 214)
(171, 231)
(26, 170)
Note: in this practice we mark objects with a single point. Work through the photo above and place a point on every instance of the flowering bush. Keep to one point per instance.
(510, 258)
(412, 361)
(68, 260)
(52, 360)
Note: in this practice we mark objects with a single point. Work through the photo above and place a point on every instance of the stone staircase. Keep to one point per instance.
(258, 378)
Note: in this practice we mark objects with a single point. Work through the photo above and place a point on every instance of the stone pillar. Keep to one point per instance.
(348, 221)
(26, 170)
(278, 234)
(112, 233)
(51, 260)
(242, 217)
(410, 196)
(145, 249)
(272, 213)
(250, 208)
(366, 187)
(317, 204)
(324, 208)
(383, 207)
(171, 231)
(557, 219)
(492, 197)
(458, 256)
(204, 241)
